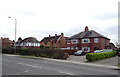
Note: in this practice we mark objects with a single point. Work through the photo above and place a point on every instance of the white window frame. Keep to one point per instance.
(88, 49)
(68, 47)
(86, 39)
(96, 40)
(74, 48)
(68, 42)
(75, 41)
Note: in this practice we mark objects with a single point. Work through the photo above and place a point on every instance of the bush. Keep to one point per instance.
(43, 55)
(8, 50)
(24, 51)
(66, 55)
(98, 56)
(57, 56)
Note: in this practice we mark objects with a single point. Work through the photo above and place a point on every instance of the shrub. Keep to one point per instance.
(43, 55)
(98, 56)
(41, 46)
(8, 50)
(24, 51)
(66, 55)
(57, 56)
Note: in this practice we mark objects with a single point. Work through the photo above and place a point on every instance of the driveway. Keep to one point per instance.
(77, 58)
(113, 61)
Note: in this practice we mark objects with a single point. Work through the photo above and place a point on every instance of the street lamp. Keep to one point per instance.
(15, 30)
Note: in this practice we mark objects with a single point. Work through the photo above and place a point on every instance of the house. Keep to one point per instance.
(6, 42)
(29, 42)
(57, 41)
(88, 41)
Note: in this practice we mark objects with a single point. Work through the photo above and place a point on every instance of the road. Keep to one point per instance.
(15, 65)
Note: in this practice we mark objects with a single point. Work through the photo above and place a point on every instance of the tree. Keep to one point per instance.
(41, 46)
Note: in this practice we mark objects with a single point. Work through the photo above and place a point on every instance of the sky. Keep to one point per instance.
(41, 18)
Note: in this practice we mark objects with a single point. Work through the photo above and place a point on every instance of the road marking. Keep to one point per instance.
(66, 73)
(44, 68)
(27, 71)
(21, 63)
(29, 65)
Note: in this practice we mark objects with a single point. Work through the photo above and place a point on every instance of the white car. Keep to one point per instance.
(79, 53)
(98, 51)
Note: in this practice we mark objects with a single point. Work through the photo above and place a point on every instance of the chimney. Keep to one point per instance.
(55, 35)
(86, 29)
(62, 34)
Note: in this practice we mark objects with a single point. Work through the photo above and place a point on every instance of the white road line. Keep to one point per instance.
(65, 73)
(44, 68)
(27, 71)
(21, 63)
(29, 65)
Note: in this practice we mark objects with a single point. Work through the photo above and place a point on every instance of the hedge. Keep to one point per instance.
(50, 53)
(98, 56)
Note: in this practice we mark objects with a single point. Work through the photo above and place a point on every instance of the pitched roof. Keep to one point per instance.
(30, 39)
(53, 38)
(87, 34)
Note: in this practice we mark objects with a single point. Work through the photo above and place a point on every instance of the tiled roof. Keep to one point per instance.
(53, 38)
(30, 39)
(87, 34)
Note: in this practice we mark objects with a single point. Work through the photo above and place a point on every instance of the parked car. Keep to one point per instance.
(79, 53)
(118, 52)
(98, 51)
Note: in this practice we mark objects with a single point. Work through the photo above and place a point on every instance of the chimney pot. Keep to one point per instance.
(62, 34)
(55, 34)
(86, 29)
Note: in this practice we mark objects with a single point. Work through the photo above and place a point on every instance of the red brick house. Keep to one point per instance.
(6, 42)
(88, 41)
(29, 42)
(57, 41)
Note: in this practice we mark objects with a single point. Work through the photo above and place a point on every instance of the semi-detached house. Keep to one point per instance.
(88, 41)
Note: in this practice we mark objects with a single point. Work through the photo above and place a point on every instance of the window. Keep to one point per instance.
(68, 42)
(74, 47)
(86, 49)
(96, 40)
(74, 41)
(85, 40)
(68, 47)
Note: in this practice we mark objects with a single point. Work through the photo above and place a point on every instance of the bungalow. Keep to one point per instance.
(57, 41)
(29, 42)
(88, 41)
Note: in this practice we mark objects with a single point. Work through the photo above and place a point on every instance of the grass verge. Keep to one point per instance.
(30, 57)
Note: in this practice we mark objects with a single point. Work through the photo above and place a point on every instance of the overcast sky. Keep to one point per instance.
(39, 18)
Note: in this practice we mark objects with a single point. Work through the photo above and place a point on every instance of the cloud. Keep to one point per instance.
(25, 12)
(106, 16)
